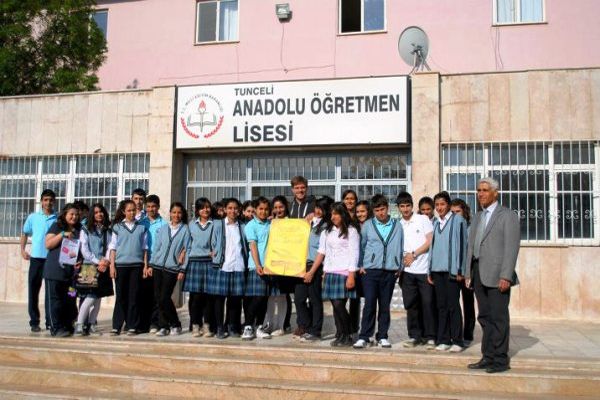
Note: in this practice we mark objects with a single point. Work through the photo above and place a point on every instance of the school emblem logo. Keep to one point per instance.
(202, 115)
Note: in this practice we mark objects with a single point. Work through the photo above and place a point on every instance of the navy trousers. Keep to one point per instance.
(378, 288)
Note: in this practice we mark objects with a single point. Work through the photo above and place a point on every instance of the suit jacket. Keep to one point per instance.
(499, 247)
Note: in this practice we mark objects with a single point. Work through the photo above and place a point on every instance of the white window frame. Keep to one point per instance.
(552, 190)
(217, 25)
(99, 10)
(71, 176)
(362, 20)
(517, 15)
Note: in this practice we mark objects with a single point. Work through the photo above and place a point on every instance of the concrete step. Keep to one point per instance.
(49, 383)
(264, 350)
(372, 373)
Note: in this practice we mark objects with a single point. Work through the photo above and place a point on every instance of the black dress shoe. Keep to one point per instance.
(221, 334)
(497, 368)
(481, 364)
(36, 329)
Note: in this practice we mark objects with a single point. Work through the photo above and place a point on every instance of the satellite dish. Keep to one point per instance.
(413, 46)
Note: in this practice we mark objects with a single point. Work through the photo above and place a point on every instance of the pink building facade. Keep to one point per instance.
(221, 98)
(152, 42)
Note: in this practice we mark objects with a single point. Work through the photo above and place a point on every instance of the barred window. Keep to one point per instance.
(93, 178)
(552, 186)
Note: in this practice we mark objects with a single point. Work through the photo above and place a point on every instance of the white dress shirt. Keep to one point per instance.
(234, 259)
(341, 253)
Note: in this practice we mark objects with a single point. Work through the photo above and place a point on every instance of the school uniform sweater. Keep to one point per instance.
(130, 244)
(449, 246)
(218, 243)
(313, 243)
(380, 253)
(168, 246)
(200, 240)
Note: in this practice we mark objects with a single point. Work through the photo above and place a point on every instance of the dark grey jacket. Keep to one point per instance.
(499, 247)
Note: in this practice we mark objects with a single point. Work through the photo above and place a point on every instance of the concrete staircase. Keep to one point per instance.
(111, 368)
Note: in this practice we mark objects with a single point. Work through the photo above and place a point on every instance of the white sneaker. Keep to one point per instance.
(162, 332)
(278, 332)
(262, 334)
(176, 331)
(361, 344)
(456, 349)
(442, 347)
(430, 344)
(196, 332)
(384, 343)
(248, 333)
(409, 343)
(153, 330)
(94, 330)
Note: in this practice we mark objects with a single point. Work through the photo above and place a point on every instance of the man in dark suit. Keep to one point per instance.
(494, 242)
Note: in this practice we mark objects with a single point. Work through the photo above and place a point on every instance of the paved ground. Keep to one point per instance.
(565, 339)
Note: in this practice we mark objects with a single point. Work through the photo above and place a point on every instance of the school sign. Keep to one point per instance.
(296, 113)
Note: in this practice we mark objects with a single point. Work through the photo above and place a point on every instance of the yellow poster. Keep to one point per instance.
(287, 247)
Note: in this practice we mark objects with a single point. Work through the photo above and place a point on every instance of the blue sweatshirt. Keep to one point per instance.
(200, 247)
(378, 253)
(167, 248)
(448, 249)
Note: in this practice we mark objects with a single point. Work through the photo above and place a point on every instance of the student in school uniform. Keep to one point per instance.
(226, 276)
(307, 295)
(94, 239)
(417, 293)
(218, 210)
(153, 222)
(247, 211)
(460, 207)
(279, 286)
(168, 262)
(257, 284)
(339, 251)
(196, 277)
(350, 198)
(447, 260)
(128, 267)
(382, 245)
(426, 207)
(363, 211)
(37, 225)
(58, 276)
(138, 196)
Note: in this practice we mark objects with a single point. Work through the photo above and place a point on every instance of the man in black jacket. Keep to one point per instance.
(303, 206)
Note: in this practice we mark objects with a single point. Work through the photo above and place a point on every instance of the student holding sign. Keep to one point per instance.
(307, 295)
(255, 300)
(339, 248)
(62, 242)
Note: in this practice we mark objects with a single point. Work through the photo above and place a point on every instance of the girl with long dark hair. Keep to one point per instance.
(339, 250)
(94, 238)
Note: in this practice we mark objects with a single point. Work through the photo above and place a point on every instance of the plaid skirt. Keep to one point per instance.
(256, 285)
(225, 283)
(196, 276)
(334, 287)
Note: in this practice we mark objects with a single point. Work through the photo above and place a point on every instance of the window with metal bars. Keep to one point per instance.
(92, 178)
(249, 176)
(552, 186)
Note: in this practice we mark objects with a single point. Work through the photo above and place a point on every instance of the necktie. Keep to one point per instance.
(479, 233)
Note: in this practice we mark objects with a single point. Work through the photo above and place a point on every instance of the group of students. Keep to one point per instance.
(356, 250)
